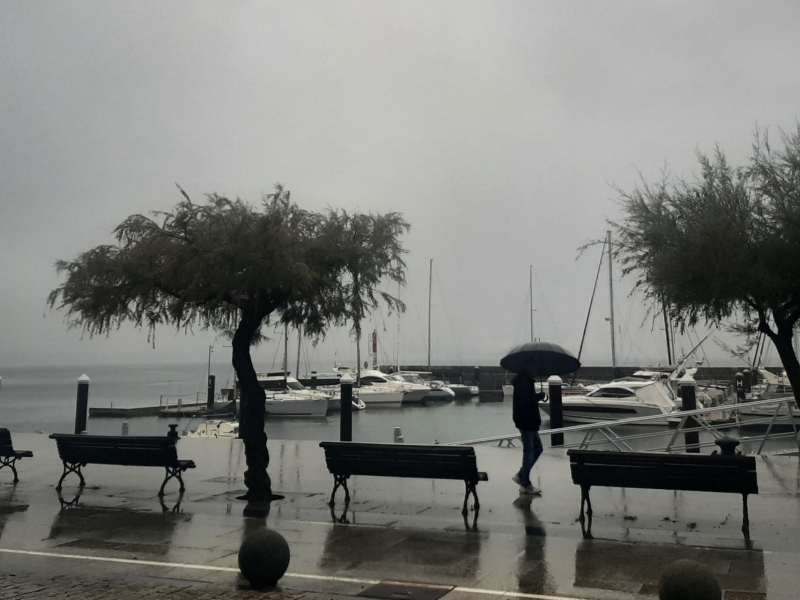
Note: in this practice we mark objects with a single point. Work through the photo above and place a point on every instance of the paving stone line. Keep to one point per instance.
(30, 585)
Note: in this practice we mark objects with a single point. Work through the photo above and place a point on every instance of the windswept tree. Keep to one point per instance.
(227, 266)
(724, 248)
(370, 252)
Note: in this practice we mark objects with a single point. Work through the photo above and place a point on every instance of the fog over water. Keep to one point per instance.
(497, 129)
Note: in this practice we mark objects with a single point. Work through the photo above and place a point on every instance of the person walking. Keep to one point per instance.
(528, 420)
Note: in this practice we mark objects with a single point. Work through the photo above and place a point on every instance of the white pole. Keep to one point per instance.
(430, 289)
(611, 302)
(285, 355)
(299, 340)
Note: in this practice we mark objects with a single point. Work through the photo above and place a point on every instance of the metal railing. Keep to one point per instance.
(713, 423)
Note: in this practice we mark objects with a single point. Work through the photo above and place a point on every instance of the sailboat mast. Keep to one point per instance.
(299, 340)
(666, 332)
(285, 354)
(398, 330)
(530, 293)
(430, 289)
(611, 303)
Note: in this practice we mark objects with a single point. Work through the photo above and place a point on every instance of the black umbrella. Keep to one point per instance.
(543, 359)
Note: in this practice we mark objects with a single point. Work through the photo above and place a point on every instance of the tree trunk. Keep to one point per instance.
(253, 398)
(783, 344)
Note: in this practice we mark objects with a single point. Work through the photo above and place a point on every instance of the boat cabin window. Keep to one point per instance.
(372, 379)
(611, 392)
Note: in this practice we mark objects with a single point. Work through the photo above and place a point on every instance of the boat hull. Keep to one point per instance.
(584, 412)
(296, 407)
(380, 399)
(414, 396)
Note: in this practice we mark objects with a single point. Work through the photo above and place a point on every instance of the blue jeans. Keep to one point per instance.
(531, 451)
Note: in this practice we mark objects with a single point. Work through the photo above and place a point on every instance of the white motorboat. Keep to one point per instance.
(772, 387)
(438, 389)
(412, 391)
(215, 429)
(287, 397)
(463, 391)
(379, 396)
(622, 400)
(290, 404)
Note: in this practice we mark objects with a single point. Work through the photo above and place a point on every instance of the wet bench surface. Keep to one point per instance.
(9, 456)
(401, 460)
(79, 450)
(653, 470)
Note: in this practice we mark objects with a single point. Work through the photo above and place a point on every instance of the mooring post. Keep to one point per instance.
(313, 380)
(82, 405)
(688, 388)
(556, 412)
(739, 379)
(748, 387)
(346, 411)
(212, 385)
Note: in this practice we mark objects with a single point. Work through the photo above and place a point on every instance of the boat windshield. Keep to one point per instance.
(611, 392)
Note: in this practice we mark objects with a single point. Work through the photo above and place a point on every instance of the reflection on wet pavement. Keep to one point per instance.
(406, 530)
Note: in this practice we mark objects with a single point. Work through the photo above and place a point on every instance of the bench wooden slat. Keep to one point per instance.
(77, 450)
(650, 470)
(9, 456)
(345, 459)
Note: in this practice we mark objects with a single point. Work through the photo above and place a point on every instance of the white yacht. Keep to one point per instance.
(215, 429)
(620, 400)
(437, 389)
(412, 391)
(376, 390)
(287, 397)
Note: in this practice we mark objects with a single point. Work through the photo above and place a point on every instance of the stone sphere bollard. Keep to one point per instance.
(687, 579)
(264, 557)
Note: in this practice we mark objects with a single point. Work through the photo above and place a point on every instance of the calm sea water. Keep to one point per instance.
(43, 399)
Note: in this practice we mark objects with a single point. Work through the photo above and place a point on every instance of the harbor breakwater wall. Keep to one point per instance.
(493, 378)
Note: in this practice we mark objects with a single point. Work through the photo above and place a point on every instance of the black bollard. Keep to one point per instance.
(82, 405)
(739, 379)
(313, 380)
(476, 373)
(346, 412)
(211, 389)
(556, 411)
(747, 381)
(173, 430)
(689, 402)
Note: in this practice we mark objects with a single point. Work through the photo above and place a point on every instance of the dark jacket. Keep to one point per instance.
(526, 403)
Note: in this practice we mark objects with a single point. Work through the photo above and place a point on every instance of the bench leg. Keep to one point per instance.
(745, 519)
(470, 490)
(9, 462)
(71, 468)
(339, 480)
(585, 500)
(172, 472)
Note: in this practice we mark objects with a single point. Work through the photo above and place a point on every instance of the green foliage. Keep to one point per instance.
(208, 264)
(724, 245)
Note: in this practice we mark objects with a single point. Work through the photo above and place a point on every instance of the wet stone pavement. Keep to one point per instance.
(115, 540)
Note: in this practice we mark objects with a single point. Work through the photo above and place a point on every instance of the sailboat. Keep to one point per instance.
(287, 397)
(439, 389)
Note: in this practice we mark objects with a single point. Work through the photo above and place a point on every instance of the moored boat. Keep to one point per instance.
(623, 400)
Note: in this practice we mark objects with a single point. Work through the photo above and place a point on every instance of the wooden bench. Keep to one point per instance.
(79, 450)
(403, 460)
(690, 472)
(9, 456)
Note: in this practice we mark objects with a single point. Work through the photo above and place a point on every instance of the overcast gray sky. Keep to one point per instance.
(497, 128)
